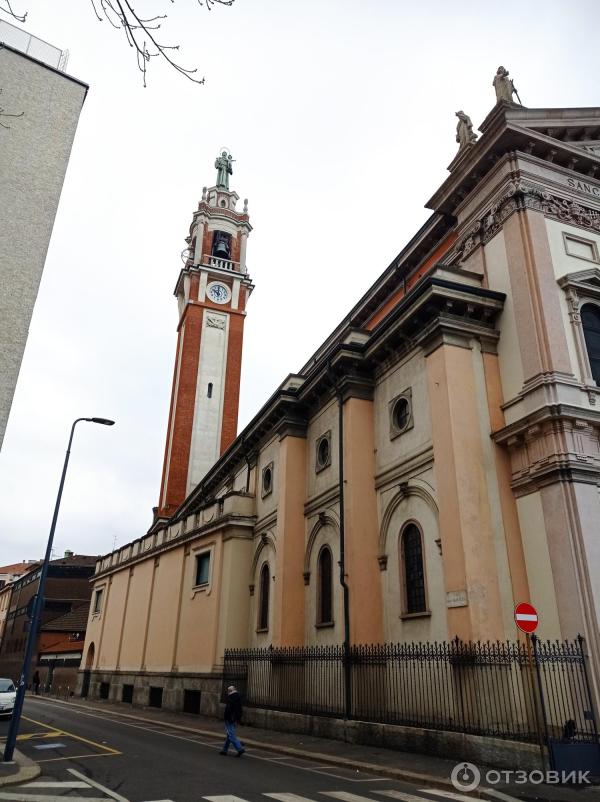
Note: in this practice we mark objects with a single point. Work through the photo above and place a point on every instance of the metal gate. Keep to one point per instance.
(571, 731)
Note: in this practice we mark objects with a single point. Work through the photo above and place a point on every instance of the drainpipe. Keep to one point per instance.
(343, 583)
(247, 458)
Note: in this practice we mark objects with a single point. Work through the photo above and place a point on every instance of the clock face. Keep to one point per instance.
(219, 293)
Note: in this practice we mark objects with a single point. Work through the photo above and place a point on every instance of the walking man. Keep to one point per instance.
(36, 682)
(233, 715)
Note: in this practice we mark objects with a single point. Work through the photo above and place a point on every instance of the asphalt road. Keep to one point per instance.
(92, 755)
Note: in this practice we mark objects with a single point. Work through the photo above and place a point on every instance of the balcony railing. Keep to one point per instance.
(222, 264)
(33, 46)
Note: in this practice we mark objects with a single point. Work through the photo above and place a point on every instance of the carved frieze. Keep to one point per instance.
(554, 449)
(520, 195)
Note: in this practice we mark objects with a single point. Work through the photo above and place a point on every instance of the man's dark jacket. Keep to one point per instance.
(233, 708)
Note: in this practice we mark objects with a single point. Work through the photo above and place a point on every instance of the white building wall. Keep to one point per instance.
(34, 153)
(208, 412)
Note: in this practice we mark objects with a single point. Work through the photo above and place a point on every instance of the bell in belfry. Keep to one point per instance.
(221, 245)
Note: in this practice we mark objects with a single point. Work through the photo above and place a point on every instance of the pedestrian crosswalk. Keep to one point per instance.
(42, 790)
(347, 796)
(47, 790)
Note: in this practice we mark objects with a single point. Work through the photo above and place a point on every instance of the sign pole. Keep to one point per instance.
(531, 659)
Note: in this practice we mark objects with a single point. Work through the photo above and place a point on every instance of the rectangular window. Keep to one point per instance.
(155, 697)
(104, 690)
(191, 701)
(127, 694)
(202, 568)
(98, 600)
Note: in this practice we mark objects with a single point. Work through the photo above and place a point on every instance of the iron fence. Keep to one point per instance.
(508, 690)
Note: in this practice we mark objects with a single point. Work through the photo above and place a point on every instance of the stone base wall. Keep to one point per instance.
(460, 746)
(173, 689)
(476, 749)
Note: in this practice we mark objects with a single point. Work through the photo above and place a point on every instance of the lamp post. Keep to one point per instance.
(39, 604)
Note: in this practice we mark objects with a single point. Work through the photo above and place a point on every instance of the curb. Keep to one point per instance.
(334, 760)
(28, 770)
(417, 778)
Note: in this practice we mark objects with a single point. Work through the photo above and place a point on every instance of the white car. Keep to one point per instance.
(8, 694)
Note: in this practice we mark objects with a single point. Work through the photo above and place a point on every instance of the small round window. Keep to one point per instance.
(323, 452)
(401, 414)
(267, 480)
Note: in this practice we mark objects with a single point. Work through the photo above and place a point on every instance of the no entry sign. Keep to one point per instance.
(526, 617)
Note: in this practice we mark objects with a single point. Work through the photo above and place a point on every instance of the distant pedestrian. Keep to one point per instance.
(36, 683)
(233, 716)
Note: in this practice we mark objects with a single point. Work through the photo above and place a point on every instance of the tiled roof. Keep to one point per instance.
(76, 559)
(75, 621)
(17, 568)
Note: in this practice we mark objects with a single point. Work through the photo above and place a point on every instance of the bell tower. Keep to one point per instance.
(212, 291)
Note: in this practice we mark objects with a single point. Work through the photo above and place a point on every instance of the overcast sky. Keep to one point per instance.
(340, 115)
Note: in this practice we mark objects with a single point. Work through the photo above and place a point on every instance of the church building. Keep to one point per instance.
(435, 462)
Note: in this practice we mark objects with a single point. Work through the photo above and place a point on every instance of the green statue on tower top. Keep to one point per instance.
(224, 170)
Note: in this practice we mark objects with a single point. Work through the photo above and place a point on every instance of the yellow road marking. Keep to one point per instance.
(58, 733)
(28, 735)
(77, 757)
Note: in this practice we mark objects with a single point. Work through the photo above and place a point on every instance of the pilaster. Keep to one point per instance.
(288, 623)
(361, 521)
(463, 495)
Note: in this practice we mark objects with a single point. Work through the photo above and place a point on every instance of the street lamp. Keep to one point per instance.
(39, 604)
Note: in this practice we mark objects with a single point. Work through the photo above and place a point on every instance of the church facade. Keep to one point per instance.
(435, 462)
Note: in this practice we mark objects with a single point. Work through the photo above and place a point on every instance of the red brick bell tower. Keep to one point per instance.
(212, 291)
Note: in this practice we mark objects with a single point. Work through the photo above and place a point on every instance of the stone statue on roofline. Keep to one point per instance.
(464, 130)
(504, 86)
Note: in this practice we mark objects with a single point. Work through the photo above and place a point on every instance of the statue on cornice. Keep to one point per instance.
(464, 130)
(504, 86)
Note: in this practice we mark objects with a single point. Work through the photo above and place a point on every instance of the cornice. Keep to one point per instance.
(217, 524)
(435, 304)
(510, 434)
(508, 128)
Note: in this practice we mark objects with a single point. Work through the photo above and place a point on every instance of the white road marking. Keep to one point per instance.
(465, 798)
(94, 784)
(403, 797)
(346, 796)
(224, 798)
(51, 784)
(448, 794)
(13, 796)
(49, 746)
(289, 797)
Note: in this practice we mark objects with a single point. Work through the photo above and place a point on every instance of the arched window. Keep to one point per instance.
(325, 589)
(414, 575)
(263, 598)
(590, 320)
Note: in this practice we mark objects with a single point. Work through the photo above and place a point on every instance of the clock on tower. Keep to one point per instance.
(212, 291)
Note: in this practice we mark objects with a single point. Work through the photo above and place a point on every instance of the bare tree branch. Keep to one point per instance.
(4, 113)
(139, 31)
(7, 8)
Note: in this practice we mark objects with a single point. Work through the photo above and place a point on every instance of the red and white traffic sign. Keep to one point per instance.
(526, 617)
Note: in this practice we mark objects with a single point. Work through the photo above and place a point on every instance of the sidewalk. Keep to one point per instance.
(425, 771)
(22, 769)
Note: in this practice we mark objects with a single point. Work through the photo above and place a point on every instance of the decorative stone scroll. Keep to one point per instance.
(215, 322)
